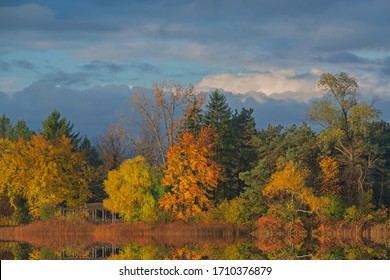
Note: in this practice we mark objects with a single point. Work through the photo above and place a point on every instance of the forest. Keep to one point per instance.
(185, 156)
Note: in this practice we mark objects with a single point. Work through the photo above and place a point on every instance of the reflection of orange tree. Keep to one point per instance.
(341, 240)
(290, 202)
(274, 234)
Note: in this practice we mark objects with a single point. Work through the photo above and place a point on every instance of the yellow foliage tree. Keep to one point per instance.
(288, 186)
(129, 191)
(330, 175)
(9, 170)
(191, 174)
(46, 174)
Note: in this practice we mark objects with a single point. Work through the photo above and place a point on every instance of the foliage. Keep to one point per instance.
(230, 211)
(191, 175)
(330, 176)
(345, 119)
(43, 173)
(287, 186)
(129, 191)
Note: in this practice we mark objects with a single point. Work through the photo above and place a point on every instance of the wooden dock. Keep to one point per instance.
(94, 211)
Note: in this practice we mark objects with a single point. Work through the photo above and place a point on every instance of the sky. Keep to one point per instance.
(78, 55)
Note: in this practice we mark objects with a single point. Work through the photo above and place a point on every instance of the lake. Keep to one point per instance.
(179, 241)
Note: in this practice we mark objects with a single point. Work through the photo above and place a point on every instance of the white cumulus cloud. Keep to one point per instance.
(282, 84)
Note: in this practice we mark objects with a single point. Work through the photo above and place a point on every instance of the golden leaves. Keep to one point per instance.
(330, 175)
(44, 173)
(288, 186)
(190, 174)
(129, 191)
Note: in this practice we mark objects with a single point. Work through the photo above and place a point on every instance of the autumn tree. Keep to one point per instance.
(330, 180)
(345, 119)
(295, 143)
(44, 174)
(288, 195)
(129, 190)
(191, 175)
(160, 116)
(11, 195)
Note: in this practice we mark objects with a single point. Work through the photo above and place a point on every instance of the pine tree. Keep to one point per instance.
(21, 130)
(55, 126)
(218, 111)
(235, 147)
(5, 127)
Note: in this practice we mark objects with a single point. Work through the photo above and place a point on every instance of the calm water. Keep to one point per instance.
(219, 247)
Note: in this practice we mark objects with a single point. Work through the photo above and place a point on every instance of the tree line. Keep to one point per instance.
(180, 157)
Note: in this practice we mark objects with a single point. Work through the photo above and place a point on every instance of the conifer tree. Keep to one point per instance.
(55, 126)
(21, 130)
(5, 127)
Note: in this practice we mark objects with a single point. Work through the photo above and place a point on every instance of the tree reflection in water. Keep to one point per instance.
(205, 242)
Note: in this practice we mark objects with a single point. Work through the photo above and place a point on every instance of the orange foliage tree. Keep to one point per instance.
(191, 174)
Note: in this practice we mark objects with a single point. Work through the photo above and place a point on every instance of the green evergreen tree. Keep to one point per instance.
(218, 112)
(93, 158)
(5, 127)
(21, 130)
(91, 152)
(193, 119)
(55, 126)
(235, 148)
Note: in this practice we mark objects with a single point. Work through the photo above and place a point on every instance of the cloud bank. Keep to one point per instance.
(93, 108)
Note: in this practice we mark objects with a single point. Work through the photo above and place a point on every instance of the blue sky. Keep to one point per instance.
(277, 48)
